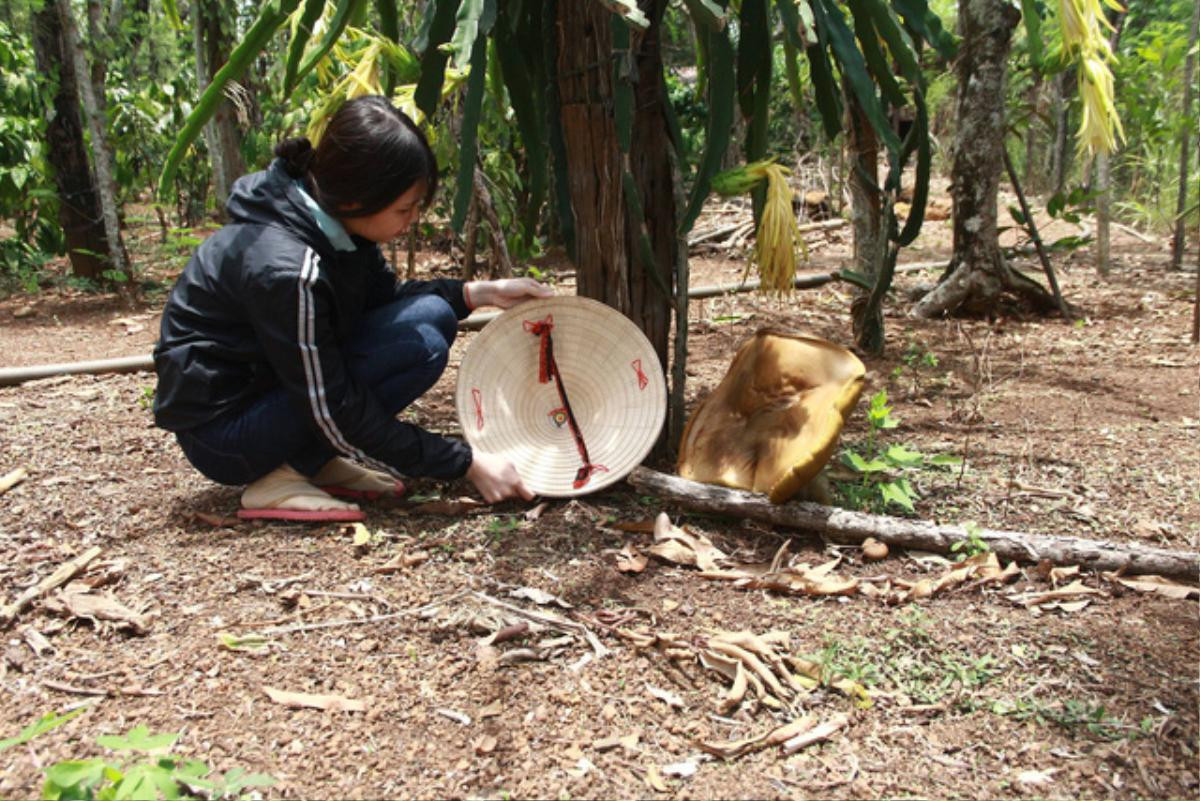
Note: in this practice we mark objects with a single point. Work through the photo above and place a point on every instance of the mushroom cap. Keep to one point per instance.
(773, 421)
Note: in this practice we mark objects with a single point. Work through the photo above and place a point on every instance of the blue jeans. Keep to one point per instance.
(398, 352)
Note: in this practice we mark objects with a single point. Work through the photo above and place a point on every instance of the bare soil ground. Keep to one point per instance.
(1087, 426)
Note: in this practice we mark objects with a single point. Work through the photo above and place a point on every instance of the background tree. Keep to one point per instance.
(90, 67)
(78, 201)
(1178, 239)
(214, 26)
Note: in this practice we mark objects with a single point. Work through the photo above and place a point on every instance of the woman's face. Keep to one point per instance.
(390, 221)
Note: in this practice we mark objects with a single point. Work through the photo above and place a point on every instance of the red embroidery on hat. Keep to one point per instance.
(542, 328)
(477, 397)
(642, 380)
(584, 474)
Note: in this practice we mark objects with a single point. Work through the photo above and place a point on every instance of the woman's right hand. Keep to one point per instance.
(496, 478)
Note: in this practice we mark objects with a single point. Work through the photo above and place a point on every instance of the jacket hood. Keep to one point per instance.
(272, 198)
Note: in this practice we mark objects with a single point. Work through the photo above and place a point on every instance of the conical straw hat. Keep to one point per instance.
(613, 381)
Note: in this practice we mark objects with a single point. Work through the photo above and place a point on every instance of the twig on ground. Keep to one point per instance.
(359, 621)
(553, 621)
(64, 573)
(12, 479)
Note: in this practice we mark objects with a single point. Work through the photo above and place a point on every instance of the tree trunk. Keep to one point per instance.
(1103, 174)
(610, 265)
(75, 55)
(842, 525)
(78, 204)
(1103, 213)
(212, 36)
(1061, 156)
(866, 214)
(978, 273)
(1033, 99)
(1178, 241)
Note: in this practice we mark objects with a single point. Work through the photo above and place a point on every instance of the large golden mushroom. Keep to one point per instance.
(773, 422)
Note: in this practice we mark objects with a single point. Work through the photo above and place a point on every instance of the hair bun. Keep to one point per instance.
(297, 155)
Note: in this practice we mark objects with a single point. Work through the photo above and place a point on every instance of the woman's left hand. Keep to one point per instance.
(504, 292)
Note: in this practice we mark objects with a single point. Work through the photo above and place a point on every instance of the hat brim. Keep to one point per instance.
(612, 377)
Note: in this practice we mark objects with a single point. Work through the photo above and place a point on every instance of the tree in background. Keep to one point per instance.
(978, 273)
(1178, 238)
(78, 200)
(214, 29)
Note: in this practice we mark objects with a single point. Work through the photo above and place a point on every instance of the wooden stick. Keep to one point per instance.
(841, 525)
(13, 479)
(64, 573)
(1031, 227)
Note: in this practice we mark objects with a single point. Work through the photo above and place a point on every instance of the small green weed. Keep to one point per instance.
(973, 545)
(158, 775)
(146, 396)
(881, 468)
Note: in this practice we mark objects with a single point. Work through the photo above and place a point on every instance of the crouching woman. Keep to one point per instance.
(288, 345)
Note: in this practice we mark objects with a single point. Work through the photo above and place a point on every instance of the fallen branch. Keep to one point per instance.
(65, 572)
(841, 525)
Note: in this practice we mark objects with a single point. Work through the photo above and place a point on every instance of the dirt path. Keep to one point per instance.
(1086, 427)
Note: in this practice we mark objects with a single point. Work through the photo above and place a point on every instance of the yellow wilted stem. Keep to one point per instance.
(777, 237)
(1083, 38)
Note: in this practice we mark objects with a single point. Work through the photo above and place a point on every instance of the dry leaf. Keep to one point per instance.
(131, 326)
(1157, 585)
(492, 710)
(635, 526)
(666, 696)
(683, 547)
(362, 536)
(776, 736)
(485, 745)
(98, 607)
(536, 512)
(680, 770)
(655, 780)
(630, 561)
(1072, 591)
(1036, 776)
(329, 703)
(1057, 575)
(540, 597)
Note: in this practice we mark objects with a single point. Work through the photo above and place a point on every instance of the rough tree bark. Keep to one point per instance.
(1060, 157)
(608, 263)
(78, 203)
(978, 272)
(866, 214)
(222, 137)
(75, 59)
(1103, 177)
(1189, 91)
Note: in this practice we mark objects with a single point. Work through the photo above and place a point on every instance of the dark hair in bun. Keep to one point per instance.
(371, 154)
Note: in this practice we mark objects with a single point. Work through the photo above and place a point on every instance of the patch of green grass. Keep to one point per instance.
(1075, 715)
